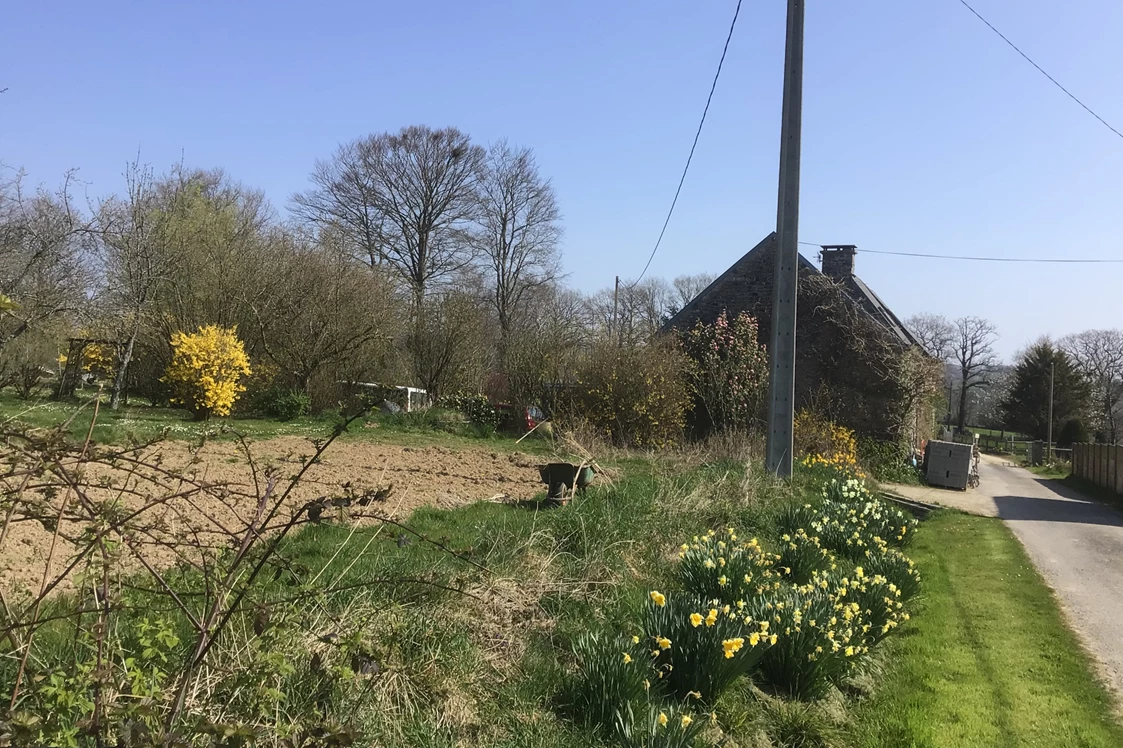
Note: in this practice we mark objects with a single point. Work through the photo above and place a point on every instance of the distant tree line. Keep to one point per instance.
(415, 257)
(1084, 371)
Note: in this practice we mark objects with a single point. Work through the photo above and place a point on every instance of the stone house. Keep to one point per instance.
(855, 360)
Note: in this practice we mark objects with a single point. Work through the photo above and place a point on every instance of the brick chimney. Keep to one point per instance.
(838, 260)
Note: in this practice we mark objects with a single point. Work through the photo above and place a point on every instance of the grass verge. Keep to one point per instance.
(988, 661)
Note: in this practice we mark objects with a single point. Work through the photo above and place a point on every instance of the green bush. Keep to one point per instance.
(634, 396)
(1073, 432)
(888, 461)
(283, 403)
(475, 407)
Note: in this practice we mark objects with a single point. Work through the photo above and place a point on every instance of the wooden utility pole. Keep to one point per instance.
(615, 311)
(781, 382)
(1049, 433)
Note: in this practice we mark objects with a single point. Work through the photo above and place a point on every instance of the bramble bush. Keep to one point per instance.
(283, 403)
(206, 370)
(888, 461)
(476, 407)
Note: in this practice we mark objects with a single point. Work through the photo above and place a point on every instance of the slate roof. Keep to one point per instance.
(856, 290)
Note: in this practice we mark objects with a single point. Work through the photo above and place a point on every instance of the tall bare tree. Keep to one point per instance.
(344, 201)
(1098, 354)
(973, 353)
(135, 261)
(44, 272)
(687, 287)
(632, 315)
(519, 229)
(934, 333)
(407, 198)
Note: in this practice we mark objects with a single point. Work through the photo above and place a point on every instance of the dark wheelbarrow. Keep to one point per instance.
(561, 477)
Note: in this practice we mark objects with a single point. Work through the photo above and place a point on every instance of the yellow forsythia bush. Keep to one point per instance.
(820, 441)
(207, 369)
(99, 359)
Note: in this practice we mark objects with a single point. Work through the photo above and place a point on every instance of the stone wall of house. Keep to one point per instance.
(845, 360)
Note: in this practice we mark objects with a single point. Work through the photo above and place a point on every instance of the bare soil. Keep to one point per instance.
(432, 476)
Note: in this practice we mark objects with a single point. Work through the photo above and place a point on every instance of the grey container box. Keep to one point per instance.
(949, 464)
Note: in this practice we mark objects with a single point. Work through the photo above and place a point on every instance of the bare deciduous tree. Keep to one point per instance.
(135, 261)
(519, 229)
(934, 333)
(324, 310)
(406, 198)
(636, 313)
(43, 270)
(687, 287)
(448, 343)
(973, 353)
(1098, 354)
(344, 201)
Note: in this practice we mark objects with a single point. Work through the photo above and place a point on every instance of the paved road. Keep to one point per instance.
(1076, 544)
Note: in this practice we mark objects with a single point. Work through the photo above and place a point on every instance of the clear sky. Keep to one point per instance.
(923, 132)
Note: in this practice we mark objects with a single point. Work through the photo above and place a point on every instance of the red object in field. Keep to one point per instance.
(525, 420)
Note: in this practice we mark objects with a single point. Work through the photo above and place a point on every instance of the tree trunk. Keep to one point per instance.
(962, 421)
(122, 372)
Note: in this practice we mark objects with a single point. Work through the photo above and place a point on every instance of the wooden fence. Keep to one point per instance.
(1101, 464)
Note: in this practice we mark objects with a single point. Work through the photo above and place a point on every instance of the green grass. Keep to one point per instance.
(140, 422)
(1053, 471)
(988, 661)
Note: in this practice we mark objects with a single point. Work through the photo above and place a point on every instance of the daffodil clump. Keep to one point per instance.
(879, 601)
(820, 633)
(726, 568)
(897, 568)
(666, 725)
(801, 555)
(615, 672)
(700, 646)
(826, 445)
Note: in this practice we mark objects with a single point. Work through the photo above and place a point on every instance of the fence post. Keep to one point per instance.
(1117, 484)
(1112, 465)
(1077, 459)
(1102, 472)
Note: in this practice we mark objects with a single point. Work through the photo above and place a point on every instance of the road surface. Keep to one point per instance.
(1075, 543)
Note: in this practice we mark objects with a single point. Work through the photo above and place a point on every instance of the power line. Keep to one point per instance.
(1054, 260)
(697, 135)
(1041, 70)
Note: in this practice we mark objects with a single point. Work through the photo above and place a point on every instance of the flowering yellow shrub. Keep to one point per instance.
(206, 369)
(100, 360)
(822, 442)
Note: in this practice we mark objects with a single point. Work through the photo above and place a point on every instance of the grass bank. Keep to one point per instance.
(988, 660)
(140, 422)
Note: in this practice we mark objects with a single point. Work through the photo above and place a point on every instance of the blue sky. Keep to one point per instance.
(923, 132)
